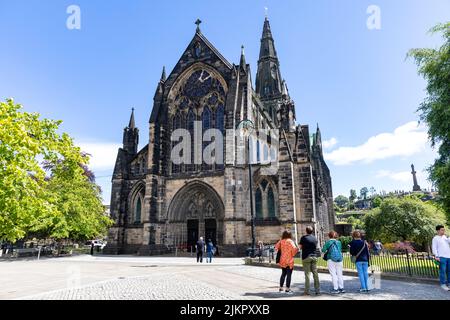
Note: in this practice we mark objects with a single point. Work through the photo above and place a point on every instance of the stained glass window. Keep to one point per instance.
(264, 184)
(258, 204)
(190, 127)
(176, 124)
(271, 203)
(206, 124)
(138, 210)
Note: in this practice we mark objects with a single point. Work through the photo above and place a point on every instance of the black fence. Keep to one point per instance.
(418, 265)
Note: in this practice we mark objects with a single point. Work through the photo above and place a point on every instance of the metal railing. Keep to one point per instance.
(418, 265)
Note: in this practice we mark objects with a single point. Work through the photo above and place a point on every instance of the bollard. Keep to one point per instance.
(39, 253)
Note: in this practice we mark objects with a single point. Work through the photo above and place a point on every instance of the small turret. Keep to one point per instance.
(131, 136)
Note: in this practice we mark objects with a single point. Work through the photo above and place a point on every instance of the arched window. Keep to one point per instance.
(271, 203)
(220, 125)
(176, 124)
(258, 204)
(190, 127)
(258, 157)
(138, 210)
(206, 124)
(220, 118)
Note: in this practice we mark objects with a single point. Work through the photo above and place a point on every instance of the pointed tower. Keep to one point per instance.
(269, 84)
(242, 63)
(131, 136)
(317, 142)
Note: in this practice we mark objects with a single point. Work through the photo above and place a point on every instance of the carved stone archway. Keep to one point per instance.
(195, 211)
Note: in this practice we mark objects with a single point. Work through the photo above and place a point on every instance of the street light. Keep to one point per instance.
(247, 128)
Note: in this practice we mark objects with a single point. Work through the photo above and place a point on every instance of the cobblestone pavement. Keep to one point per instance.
(131, 278)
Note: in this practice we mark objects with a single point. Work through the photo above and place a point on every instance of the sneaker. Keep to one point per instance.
(362, 290)
(317, 293)
(341, 291)
(280, 290)
(306, 293)
(289, 291)
(367, 290)
(446, 288)
(335, 291)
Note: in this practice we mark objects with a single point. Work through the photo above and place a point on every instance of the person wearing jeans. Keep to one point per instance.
(209, 251)
(333, 250)
(441, 251)
(308, 244)
(360, 249)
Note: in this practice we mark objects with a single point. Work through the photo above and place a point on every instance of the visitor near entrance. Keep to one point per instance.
(260, 251)
(209, 251)
(333, 254)
(359, 250)
(308, 245)
(288, 251)
(200, 249)
(441, 250)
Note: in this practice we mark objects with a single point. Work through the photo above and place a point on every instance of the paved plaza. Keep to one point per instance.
(156, 278)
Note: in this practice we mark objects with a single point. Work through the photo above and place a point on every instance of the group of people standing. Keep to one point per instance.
(208, 247)
(332, 253)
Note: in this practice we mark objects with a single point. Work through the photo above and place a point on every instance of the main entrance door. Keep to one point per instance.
(210, 230)
(192, 230)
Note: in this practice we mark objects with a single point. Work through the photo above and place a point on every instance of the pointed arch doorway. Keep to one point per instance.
(196, 211)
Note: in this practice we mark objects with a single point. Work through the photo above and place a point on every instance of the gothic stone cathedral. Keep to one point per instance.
(157, 204)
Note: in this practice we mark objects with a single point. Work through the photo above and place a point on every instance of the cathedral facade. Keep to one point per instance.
(158, 203)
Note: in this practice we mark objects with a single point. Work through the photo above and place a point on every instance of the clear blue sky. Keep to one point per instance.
(353, 81)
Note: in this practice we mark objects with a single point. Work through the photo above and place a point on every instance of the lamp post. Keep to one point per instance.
(247, 127)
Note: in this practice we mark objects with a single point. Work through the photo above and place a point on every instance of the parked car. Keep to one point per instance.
(97, 243)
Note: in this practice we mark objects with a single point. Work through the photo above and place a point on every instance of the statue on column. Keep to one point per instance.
(416, 187)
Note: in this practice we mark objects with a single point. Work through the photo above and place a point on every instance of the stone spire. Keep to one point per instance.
(131, 136)
(268, 77)
(132, 124)
(163, 75)
(416, 187)
(242, 63)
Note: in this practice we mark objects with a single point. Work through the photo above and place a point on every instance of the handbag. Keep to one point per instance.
(277, 260)
(353, 258)
(325, 256)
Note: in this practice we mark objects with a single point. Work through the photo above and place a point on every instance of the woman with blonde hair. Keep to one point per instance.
(359, 251)
(286, 250)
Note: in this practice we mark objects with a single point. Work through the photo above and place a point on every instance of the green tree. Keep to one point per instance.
(376, 202)
(341, 201)
(356, 223)
(352, 195)
(403, 219)
(434, 66)
(363, 192)
(30, 202)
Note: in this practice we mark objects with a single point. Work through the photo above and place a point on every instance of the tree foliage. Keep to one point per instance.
(403, 219)
(341, 201)
(57, 200)
(434, 66)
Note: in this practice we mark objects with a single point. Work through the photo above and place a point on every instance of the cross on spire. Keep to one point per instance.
(198, 22)
(266, 12)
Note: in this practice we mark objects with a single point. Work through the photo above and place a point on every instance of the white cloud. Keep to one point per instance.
(406, 140)
(401, 176)
(328, 144)
(103, 154)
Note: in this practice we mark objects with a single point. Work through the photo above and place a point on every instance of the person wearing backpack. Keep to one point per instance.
(359, 251)
(286, 250)
(332, 250)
